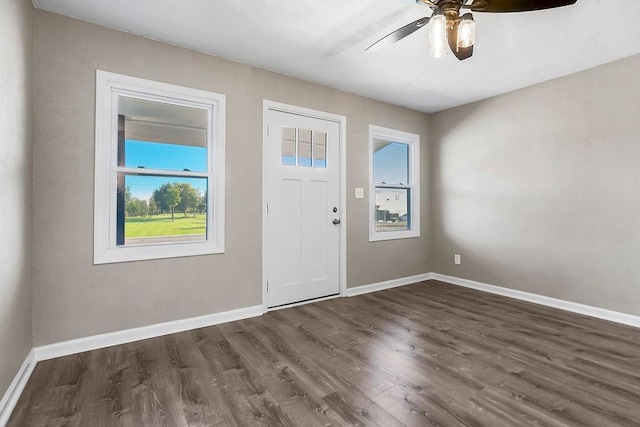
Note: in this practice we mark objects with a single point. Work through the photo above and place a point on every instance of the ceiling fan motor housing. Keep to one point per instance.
(449, 8)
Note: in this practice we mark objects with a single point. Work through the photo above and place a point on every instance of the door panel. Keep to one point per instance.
(290, 217)
(317, 237)
(303, 188)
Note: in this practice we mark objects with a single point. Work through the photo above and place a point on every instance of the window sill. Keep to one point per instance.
(393, 235)
(143, 253)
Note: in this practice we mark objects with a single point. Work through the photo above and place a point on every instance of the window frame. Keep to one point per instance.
(413, 186)
(109, 86)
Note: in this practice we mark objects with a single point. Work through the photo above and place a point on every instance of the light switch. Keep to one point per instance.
(359, 193)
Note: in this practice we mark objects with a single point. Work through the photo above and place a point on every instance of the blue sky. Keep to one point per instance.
(173, 157)
(391, 164)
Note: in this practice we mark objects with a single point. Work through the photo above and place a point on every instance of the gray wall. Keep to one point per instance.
(539, 190)
(72, 297)
(16, 28)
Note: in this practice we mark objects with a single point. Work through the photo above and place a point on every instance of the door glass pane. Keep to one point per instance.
(156, 135)
(288, 146)
(390, 162)
(392, 207)
(304, 147)
(163, 209)
(319, 149)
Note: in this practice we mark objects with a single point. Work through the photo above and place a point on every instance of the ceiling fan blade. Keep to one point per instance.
(461, 53)
(499, 6)
(400, 33)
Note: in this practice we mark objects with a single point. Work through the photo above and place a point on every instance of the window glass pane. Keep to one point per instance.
(392, 207)
(163, 209)
(156, 135)
(304, 147)
(288, 146)
(152, 155)
(319, 149)
(390, 162)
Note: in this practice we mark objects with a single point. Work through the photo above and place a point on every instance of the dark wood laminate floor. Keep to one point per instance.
(425, 354)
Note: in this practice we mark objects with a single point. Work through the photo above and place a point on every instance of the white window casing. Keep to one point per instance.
(109, 87)
(412, 186)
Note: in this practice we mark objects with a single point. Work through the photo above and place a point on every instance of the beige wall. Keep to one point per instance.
(539, 190)
(16, 17)
(72, 297)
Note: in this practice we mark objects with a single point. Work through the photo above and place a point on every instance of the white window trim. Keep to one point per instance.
(413, 141)
(108, 85)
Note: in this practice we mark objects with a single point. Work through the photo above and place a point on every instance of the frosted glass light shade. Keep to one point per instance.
(438, 36)
(466, 32)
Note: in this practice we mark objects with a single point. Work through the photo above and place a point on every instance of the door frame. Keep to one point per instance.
(342, 137)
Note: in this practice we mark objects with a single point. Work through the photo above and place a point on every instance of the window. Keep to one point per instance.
(394, 182)
(303, 147)
(159, 184)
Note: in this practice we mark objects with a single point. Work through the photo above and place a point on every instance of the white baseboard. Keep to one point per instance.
(597, 312)
(95, 342)
(16, 387)
(375, 287)
(587, 310)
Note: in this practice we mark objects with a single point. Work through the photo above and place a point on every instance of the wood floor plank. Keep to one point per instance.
(424, 354)
(107, 396)
(155, 393)
(201, 404)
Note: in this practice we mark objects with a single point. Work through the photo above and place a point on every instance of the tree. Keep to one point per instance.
(134, 206)
(153, 207)
(144, 207)
(158, 201)
(167, 197)
(189, 198)
(202, 203)
(172, 198)
(130, 208)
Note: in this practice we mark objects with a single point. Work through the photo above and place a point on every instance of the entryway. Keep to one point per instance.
(303, 206)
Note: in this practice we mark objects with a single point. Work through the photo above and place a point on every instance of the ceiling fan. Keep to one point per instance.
(448, 27)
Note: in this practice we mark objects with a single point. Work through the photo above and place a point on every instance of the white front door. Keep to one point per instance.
(303, 210)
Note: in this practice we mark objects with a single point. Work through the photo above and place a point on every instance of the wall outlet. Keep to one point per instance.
(456, 259)
(359, 193)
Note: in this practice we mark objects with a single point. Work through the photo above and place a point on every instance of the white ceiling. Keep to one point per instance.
(324, 41)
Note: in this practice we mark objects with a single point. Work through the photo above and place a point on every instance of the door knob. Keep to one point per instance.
(336, 221)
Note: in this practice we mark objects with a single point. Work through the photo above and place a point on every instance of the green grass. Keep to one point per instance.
(161, 225)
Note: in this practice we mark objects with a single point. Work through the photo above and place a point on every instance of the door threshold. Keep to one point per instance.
(307, 301)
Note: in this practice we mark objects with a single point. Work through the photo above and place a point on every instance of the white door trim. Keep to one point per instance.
(342, 122)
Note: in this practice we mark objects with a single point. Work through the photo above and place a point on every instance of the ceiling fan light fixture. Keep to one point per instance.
(448, 30)
(466, 31)
(437, 36)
